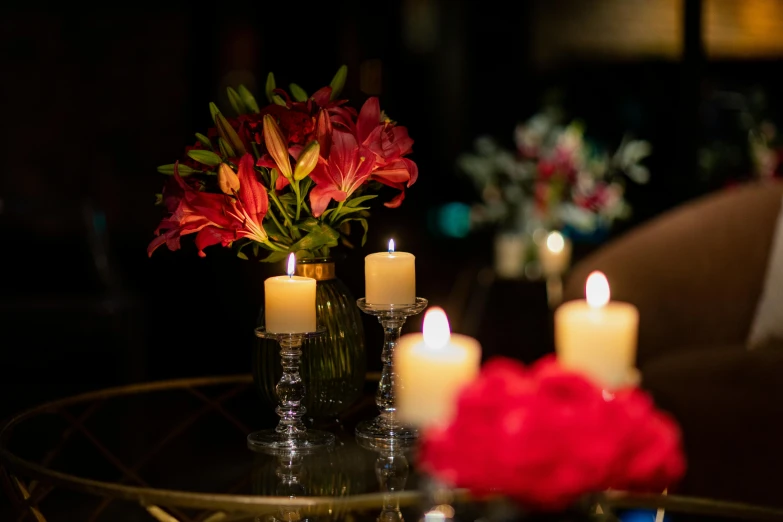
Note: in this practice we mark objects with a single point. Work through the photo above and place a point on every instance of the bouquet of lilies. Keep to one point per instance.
(291, 176)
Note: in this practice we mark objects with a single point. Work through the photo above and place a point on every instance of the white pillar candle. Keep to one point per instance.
(555, 254)
(598, 337)
(289, 302)
(390, 277)
(431, 368)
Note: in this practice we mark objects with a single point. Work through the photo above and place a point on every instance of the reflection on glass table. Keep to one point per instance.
(176, 451)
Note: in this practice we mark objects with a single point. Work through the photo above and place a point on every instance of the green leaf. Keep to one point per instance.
(298, 93)
(278, 100)
(338, 82)
(204, 140)
(346, 210)
(315, 239)
(248, 99)
(309, 224)
(355, 201)
(332, 233)
(273, 175)
(225, 149)
(207, 157)
(274, 233)
(270, 86)
(305, 185)
(184, 170)
(213, 110)
(158, 199)
(288, 198)
(242, 255)
(236, 101)
(275, 257)
(366, 227)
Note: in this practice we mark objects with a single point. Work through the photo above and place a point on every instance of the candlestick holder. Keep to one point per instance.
(392, 317)
(290, 433)
(391, 470)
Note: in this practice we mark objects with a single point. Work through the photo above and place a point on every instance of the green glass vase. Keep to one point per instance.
(333, 365)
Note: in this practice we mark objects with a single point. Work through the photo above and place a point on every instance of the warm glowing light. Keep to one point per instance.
(391, 246)
(555, 242)
(436, 331)
(597, 290)
(291, 264)
(446, 509)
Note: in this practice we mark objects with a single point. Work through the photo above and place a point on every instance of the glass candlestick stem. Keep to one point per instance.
(392, 318)
(291, 432)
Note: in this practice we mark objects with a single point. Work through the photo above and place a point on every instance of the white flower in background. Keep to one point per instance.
(585, 182)
(531, 135)
(505, 162)
(486, 146)
(578, 217)
(614, 206)
(481, 170)
(627, 158)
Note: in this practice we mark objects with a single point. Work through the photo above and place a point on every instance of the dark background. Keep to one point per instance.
(94, 100)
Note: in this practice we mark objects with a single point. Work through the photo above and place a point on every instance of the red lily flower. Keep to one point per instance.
(349, 166)
(342, 116)
(215, 218)
(389, 143)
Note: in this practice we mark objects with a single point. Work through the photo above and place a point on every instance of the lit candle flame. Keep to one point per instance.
(291, 265)
(555, 242)
(391, 246)
(597, 290)
(435, 330)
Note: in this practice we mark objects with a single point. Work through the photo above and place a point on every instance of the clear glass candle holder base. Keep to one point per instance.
(265, 440)
(382, 428)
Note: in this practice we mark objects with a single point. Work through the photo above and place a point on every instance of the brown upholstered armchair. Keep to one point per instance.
(696, 274)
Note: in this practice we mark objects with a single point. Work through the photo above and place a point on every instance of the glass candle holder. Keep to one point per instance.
(291, 432)
(392, 318)
(391, 470)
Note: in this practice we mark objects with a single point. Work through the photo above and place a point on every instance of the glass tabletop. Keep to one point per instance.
(176, 451)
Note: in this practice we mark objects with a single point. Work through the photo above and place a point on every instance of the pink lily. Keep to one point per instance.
(389, 143)
(348, 167)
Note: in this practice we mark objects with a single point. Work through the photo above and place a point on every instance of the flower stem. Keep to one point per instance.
(307, 209)
(275, 247)
(279, 226)
(294, 231)
(295, 185)
(336, 212)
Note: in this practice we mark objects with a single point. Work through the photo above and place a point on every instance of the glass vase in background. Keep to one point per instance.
(510, 254)
(334, 365)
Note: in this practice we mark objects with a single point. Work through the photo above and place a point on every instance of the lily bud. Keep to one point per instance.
(323, 131)
(228, 133)
(276, 146)
(307, 161)
(228, 181)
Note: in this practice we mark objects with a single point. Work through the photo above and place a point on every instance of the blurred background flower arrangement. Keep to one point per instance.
(742, 141)
(555, 178)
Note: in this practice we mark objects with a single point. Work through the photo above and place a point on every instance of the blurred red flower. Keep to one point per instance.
(545, 437)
